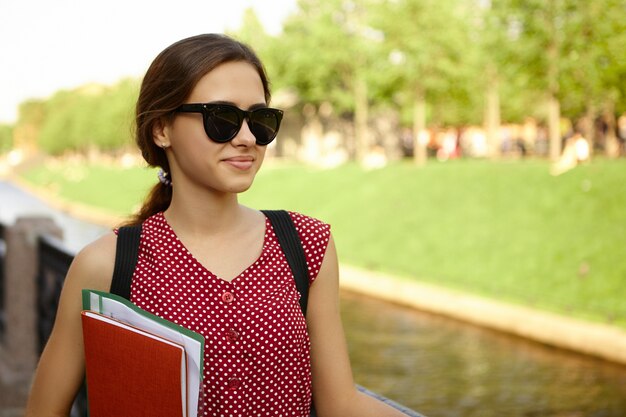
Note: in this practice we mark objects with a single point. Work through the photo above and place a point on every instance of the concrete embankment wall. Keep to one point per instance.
(599, 340)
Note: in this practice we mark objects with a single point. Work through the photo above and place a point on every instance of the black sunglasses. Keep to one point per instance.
(222, 122)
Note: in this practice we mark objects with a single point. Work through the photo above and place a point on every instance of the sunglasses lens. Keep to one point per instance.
(222, 124)
(264, 124)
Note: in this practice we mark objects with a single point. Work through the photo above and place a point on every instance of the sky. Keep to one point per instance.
(49, 45)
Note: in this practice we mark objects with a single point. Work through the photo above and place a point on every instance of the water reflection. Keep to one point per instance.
(446, 369)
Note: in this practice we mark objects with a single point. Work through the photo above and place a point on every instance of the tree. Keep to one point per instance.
(6, 138)
(325, 51)
(594, 65)
(572, 51)
(493, 33)
(88, 117)
(427, 41)
(31, 116)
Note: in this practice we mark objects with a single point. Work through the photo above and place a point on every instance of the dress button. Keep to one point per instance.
(233, 384)
(232, 335)
(228, 297)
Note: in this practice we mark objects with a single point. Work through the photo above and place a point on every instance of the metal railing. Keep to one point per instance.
(53, 262)
(3, 252)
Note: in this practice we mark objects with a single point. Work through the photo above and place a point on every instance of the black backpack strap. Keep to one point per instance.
(292, 247)
(291, 244)
(126, 253)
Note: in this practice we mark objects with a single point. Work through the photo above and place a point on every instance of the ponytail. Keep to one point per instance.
(158, 200)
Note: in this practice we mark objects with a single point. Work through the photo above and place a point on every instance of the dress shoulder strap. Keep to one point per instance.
(292, 247)
(126, 252)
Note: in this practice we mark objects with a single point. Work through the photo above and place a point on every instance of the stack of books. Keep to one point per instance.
(138, 364)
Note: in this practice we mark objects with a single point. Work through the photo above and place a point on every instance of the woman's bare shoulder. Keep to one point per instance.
(93, 265)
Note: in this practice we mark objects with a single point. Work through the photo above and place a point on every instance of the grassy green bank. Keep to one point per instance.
(506, 230)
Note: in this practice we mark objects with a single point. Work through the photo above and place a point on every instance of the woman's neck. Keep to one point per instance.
(204, 212)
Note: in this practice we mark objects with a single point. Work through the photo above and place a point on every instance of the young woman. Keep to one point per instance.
(210, 264)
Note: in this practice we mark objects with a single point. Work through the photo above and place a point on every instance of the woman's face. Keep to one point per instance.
(197, 161)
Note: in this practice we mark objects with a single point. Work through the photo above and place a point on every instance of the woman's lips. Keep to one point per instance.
(240, 162)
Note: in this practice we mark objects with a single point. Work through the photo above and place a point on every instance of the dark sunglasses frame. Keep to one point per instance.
(263, 133)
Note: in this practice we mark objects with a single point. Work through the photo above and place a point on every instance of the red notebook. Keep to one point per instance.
(130, 372)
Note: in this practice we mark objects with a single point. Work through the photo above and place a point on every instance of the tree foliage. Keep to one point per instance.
(6, 138)
(322, 51)
(92, 116)
(448, 58)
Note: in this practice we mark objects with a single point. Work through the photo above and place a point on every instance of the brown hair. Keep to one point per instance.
(168, 82)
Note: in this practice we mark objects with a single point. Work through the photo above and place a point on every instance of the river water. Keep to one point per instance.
(434, 365)
(443, 368)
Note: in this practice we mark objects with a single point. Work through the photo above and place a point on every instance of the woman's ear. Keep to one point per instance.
(160, 134)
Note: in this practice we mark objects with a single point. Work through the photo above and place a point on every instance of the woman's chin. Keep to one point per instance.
(239, 186)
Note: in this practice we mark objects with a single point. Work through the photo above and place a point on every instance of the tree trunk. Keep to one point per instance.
(590, 126)
(360, 118)
(554, 107)
(419, 127)
(612, 145)
(312, 133)
(554, 128)
(492, 113)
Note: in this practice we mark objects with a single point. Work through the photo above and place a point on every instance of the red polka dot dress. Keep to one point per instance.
(257, 358)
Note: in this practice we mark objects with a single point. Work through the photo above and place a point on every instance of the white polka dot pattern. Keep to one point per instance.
(257, 359)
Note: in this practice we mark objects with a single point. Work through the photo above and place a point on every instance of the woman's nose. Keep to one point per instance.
(244, 137)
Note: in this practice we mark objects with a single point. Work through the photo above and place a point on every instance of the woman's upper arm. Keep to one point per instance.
(333, 386)
(334, 390)
(61, 366)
